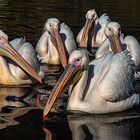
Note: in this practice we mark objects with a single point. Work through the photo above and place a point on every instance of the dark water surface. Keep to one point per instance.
(21, 113)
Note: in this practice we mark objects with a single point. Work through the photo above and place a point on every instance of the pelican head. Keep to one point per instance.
(91, 14)
(113, 33)
(78, 62)
(53, 27)
(7, 50)
(51, 24)
(3, 37)
(79, 57)
(91, 17)
(113, 28)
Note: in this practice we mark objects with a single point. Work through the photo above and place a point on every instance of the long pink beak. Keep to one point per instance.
(63, 54)
(85, 34)
(7, 50)
(64, 81)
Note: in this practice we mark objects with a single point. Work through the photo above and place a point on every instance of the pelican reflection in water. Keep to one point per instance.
(104, 85)
(92, 34)
(56, 43)
(15, 102)
(17, 63)
(102, 128)
(15, 97)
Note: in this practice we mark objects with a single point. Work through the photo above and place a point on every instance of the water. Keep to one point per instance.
(21, 108)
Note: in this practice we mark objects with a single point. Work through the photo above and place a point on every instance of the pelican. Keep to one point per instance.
(56, 43)
(92, 34)
(17, 62)
(104, 85)
(114, 35)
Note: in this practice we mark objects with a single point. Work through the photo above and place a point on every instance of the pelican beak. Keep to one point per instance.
(70, 76)
(7, 50)
(86, 31)
(63, 54)
(115, 43)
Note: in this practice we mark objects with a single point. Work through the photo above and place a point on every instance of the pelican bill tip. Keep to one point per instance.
(42, 81)
(43, 117)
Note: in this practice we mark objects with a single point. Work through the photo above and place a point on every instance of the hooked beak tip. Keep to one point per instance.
(43, 127)
(42, 81)
(43, 117)
(82, 44)
(45, 113)
(64, 66)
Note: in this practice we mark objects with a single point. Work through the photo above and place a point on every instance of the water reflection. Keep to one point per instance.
(15, 102)
(103, 128)
(20, 115)
(57, 129)
(29, 127)
(123, 126)
(14, 97)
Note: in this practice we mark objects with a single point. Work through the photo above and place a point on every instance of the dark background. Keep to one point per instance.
(27, 17)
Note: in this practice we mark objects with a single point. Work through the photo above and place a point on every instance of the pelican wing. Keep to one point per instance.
(66, 29)
(42, 45)
(114, 76)
(101, 23)
(17, 43)
(134, 47)
(68, 37)
(104, 19)
(103, 49)
(28, 53)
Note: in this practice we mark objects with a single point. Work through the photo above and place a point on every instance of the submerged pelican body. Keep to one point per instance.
(56, 43)
(104, 85)
(19, 63)
(92, 34)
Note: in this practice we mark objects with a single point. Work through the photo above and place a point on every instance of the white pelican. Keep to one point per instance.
(113, 43)
(104, 85)
(92, 34)
(56, 43)
(18, 62)
(113, 33)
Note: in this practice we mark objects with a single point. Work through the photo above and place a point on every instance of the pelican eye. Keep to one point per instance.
(78, 59)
